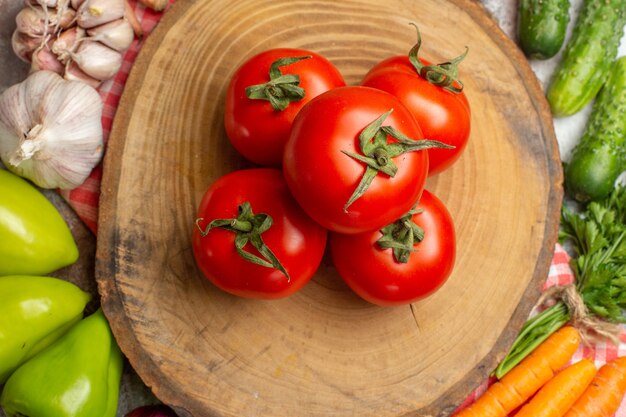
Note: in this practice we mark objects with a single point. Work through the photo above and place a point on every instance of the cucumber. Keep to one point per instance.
(600, 157)
(541, 26)
(588, 56)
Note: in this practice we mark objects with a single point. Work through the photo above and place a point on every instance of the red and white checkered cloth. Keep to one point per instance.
(85, 198)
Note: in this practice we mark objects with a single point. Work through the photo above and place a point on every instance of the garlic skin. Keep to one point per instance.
(24, 46)
(44, 59)
(74, 73)
(31, 21)
(52, 35)
(51, 130)
(37, 21)
(67, 43)
(97, 61)
(117, 34)
(76, 3)
(97, 12)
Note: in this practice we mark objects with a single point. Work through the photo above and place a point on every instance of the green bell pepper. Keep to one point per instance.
(34, 238)
(34, 312)
(78, 376)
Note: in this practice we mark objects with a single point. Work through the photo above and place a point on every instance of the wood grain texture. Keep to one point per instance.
(323, 351)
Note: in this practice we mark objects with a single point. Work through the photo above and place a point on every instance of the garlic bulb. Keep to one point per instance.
(51, 130)
(79, 39)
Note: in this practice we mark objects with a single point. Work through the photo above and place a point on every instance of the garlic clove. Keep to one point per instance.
(97, 60)
(37, 21)
(76, 4)
(66, 17)
(129, 14)
(44, 59)
(14, 119)
(31, 21)
(74, 73)
(97, 12)
(117, 34)
(24, 45)
(33, 89)
(67, 43)
(51, 130)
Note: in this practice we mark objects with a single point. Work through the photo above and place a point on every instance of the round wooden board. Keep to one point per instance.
(323, 351)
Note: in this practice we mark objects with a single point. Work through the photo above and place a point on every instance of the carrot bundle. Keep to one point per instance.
(604, 395)
(528, 377)
(561, 392)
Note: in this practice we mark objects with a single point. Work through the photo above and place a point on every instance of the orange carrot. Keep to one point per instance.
(604, 395)
(521, 382)
(558, 395)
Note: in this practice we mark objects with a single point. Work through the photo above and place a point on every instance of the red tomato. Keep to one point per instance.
(376, 275)
(322, 177)
(254, 127)
(442, 115)
(297, 241)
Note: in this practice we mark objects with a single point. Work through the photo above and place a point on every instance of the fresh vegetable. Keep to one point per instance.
(528, 377)
(34, 312)
(252, 239)
(597, 300)
(99, 32)
(541, 26)
(560, 393)
(355, 160)
(34, 238)
(51, 130)
(600, 157)
(152, 411)
(78, 376)
(434, 96)
(265, 94)
(402, 263)
(588, 56)
(604, 395)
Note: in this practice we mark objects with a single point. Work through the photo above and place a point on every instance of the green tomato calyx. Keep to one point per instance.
(378, 153)
(248, 227)
(401, 236)
(281, 89)
(445, 75)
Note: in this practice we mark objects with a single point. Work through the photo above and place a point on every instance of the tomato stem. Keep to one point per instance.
(443, 75)
(242, 226)
(401, 236)
(248, 228)
(282, 89)
(378, 153)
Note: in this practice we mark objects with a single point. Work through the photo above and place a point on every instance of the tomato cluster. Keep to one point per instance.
(350, 162)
